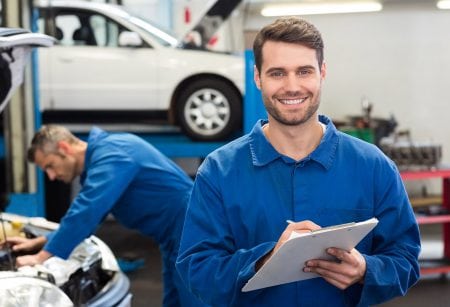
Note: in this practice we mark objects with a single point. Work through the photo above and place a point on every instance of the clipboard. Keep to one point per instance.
(286, 264)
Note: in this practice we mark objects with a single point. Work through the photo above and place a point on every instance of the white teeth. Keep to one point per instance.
(292, 101)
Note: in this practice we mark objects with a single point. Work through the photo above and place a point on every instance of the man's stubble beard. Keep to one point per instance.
(279, 117)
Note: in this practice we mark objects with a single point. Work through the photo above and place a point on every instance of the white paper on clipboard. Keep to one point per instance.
(286, 264)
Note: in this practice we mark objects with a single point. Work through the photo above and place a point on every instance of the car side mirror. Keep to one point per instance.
(130, 39)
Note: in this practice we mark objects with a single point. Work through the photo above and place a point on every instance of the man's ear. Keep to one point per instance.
(323, 71)
(64, 147)
(256, 77)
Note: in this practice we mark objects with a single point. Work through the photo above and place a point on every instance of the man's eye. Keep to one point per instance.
(276, 74)
(304, 72)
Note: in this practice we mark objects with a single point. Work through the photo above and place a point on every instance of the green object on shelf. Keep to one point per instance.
(365, 134)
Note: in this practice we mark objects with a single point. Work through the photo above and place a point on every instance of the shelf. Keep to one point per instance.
(434, 266)
(425, 201)
(439, 266)
(417, 175)
(433, 219)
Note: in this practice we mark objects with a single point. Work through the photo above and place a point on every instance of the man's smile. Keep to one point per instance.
(291, 101)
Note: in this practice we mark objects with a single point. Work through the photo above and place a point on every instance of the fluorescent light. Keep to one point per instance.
(272, 10)
(443, 5)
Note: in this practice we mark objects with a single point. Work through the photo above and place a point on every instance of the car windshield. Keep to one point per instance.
(163, 36)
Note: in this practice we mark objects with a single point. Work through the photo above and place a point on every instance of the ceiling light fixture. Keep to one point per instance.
(273, 10)
(443, 5)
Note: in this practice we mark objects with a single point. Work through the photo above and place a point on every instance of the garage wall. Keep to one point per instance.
(399, 58)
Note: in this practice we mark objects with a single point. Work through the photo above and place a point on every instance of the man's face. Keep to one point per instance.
(290, 82)
(59, 166)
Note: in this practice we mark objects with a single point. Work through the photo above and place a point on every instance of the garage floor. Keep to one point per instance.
(146, 283)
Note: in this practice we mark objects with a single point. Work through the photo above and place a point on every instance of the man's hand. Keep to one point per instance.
(21, 244)
(303, 226)
(350, 269)
(33, 259)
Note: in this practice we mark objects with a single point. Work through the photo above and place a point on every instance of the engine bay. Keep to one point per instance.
(85, 275)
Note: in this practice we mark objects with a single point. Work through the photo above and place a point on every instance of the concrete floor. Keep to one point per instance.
(146, 284)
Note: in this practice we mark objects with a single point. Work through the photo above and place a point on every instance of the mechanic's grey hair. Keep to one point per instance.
(47, 138)
(292, 30)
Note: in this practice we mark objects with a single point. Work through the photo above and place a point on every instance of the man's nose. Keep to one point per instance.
(292, 83)
(51, 175)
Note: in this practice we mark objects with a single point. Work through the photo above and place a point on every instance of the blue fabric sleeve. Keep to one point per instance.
(107, 177)
(208, 261)
(50, 235)
(393, 267)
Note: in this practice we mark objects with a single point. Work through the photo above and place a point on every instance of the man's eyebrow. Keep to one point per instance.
(312, 67)
(272, 69)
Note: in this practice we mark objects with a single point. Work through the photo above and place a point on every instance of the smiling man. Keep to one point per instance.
(296, 166)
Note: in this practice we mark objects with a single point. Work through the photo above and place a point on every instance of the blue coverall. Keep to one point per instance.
(143, 189)
(245, 191)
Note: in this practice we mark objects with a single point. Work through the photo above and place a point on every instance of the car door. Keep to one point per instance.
(89, 70)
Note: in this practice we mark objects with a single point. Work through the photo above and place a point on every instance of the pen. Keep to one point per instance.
(290, 222)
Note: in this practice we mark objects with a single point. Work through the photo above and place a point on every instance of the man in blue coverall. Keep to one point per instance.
(296, 166)
(120, 174)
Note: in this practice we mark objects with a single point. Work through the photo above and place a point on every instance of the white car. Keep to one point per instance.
(108, 61)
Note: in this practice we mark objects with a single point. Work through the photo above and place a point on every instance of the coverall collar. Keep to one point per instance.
(264, 153)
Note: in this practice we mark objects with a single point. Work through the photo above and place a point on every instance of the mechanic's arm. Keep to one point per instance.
(21, 244)
(209, 262)
(33, 259)
(108, 177)
(303, 226)
(350, 268)
(392, 266)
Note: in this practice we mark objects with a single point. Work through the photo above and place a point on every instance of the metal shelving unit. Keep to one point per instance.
(435, 266)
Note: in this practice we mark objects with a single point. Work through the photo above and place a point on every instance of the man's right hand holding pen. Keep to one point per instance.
(303, 226)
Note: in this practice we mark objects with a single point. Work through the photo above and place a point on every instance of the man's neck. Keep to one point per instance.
(80, 154)
(296, 142)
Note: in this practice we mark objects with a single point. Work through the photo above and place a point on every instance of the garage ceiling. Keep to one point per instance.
(255, 6)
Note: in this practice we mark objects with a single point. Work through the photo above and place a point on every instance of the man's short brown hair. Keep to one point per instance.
(289, 30)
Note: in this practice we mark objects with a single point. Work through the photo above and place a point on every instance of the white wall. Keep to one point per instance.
(399, 58)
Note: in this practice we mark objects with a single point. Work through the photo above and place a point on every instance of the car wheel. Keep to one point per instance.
(209, 110)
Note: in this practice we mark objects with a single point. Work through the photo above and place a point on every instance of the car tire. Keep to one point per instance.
(209, 110)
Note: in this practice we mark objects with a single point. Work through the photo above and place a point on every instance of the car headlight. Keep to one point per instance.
(32, 292)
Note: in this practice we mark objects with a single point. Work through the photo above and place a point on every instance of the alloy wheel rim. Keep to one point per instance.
(207, 111)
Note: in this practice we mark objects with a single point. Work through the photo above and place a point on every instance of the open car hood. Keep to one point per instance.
(89, 277)
(15, 47)
(216, 13)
